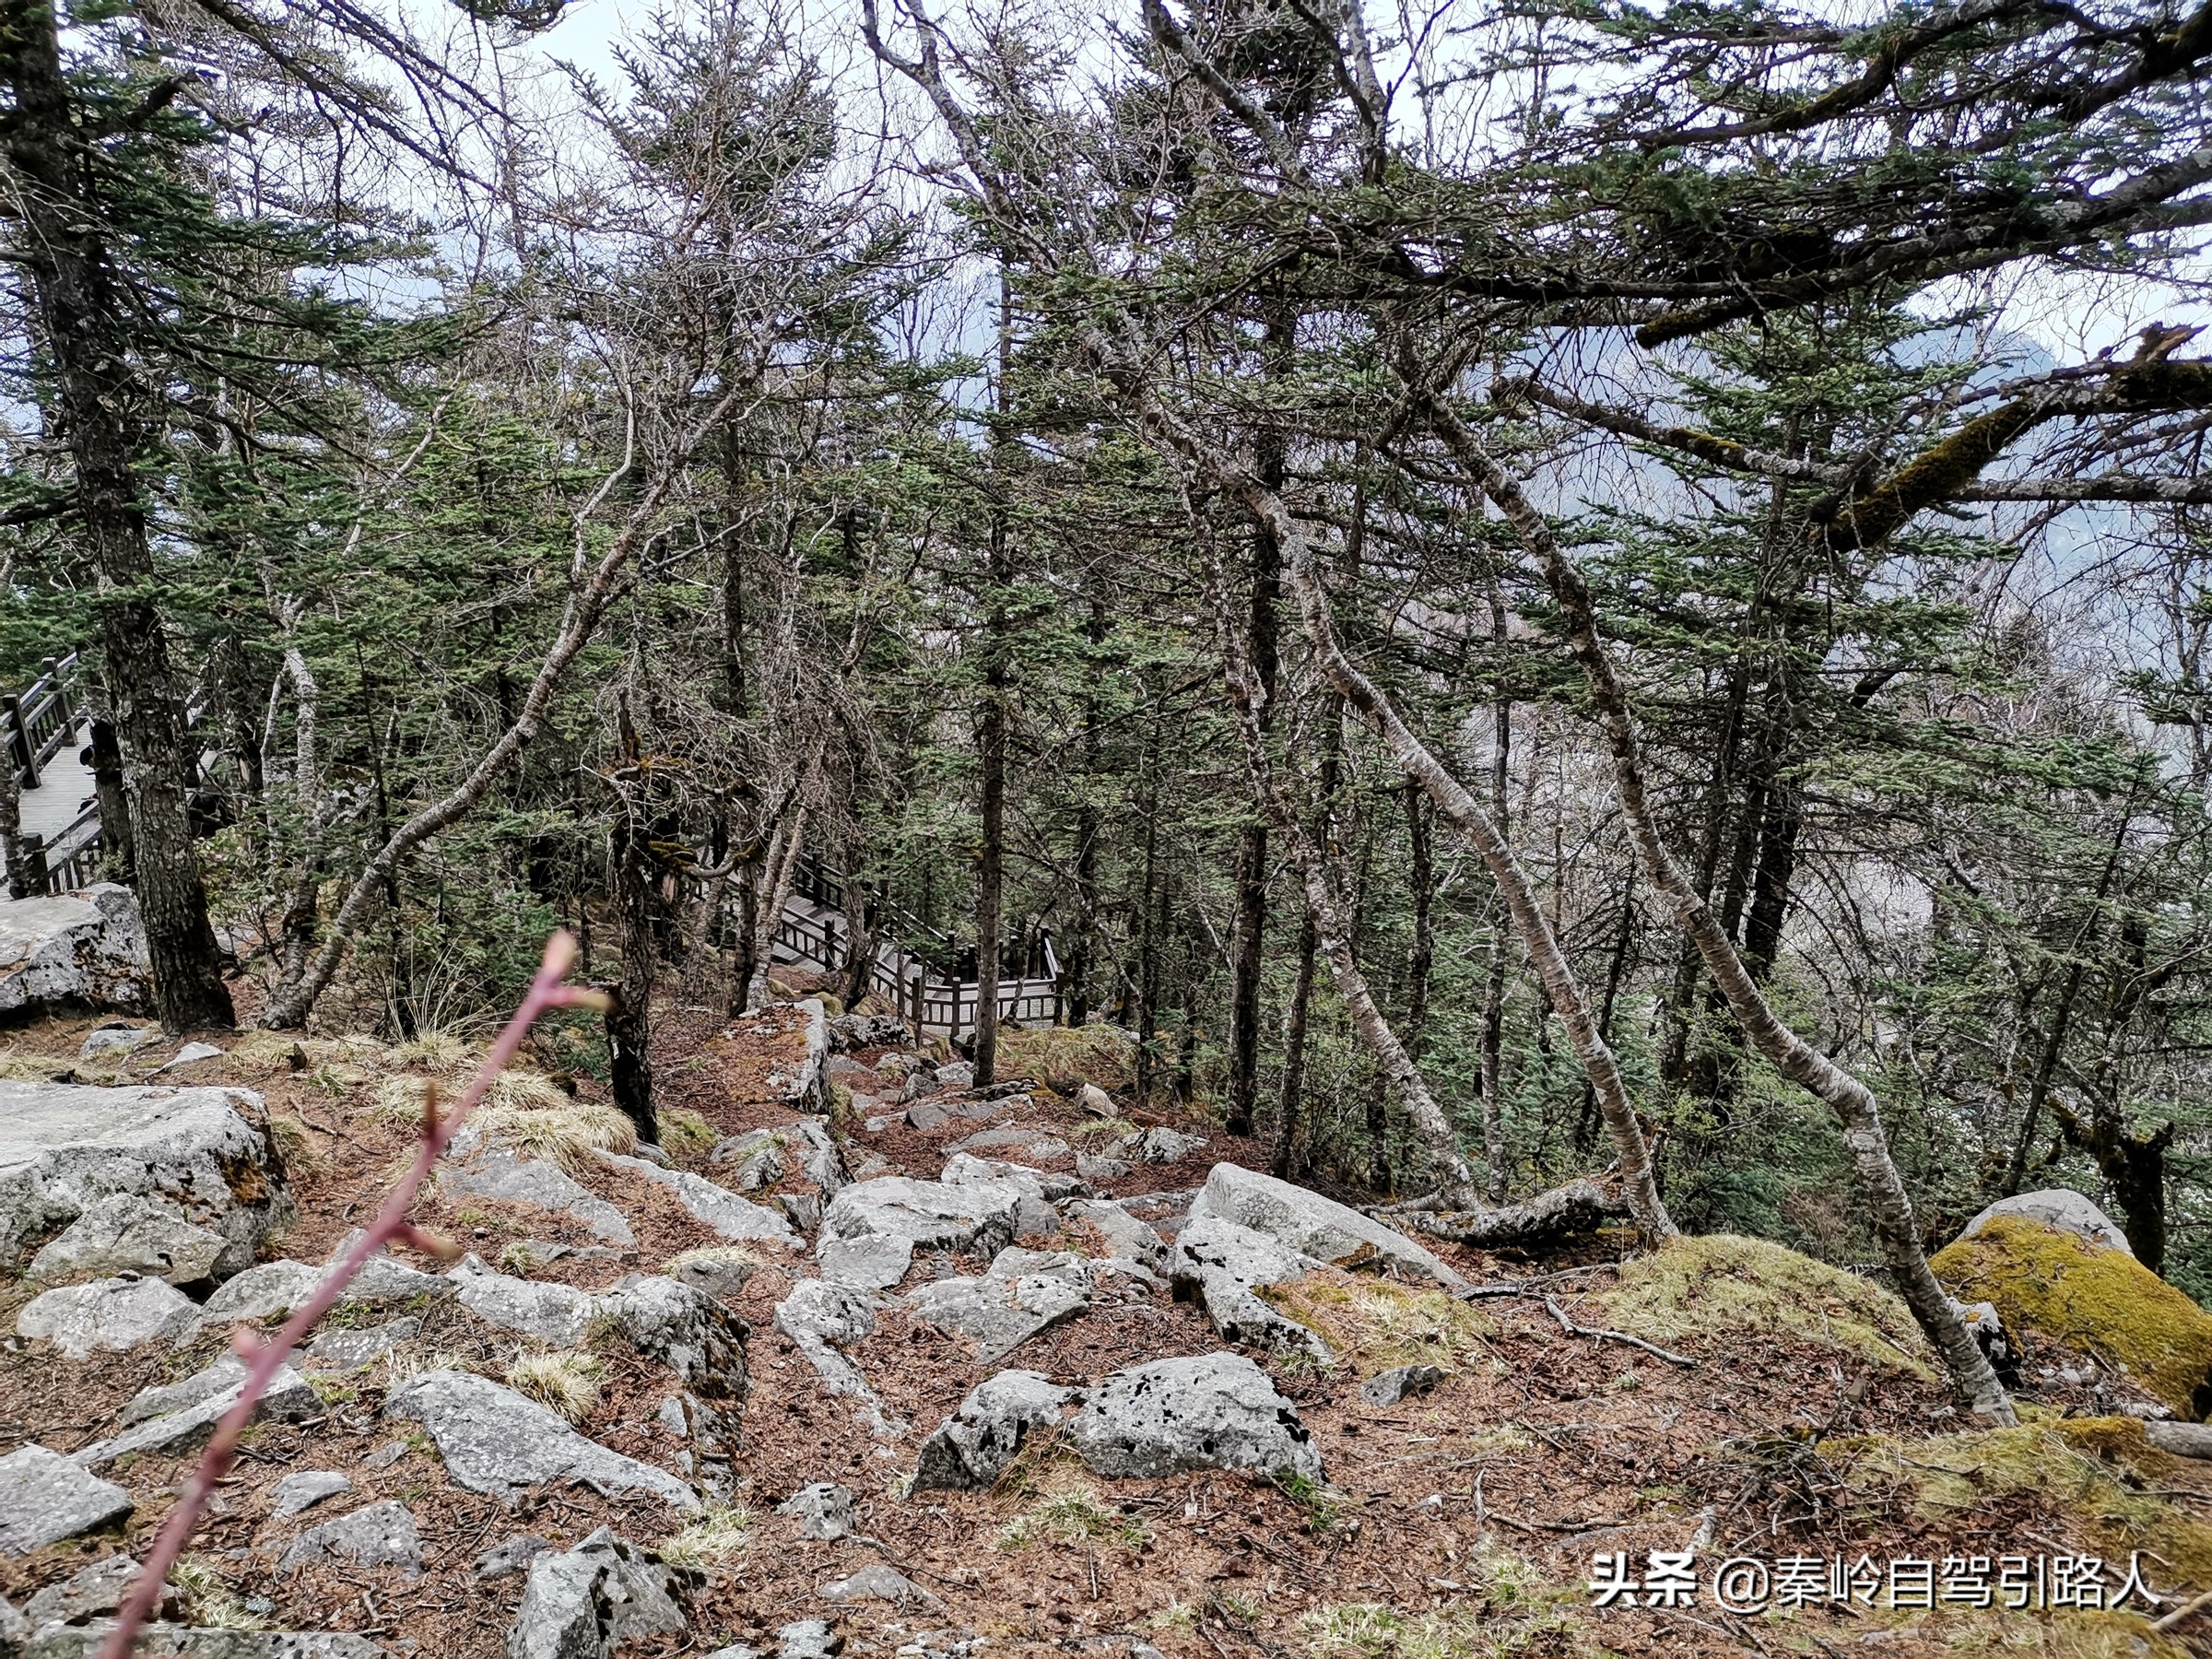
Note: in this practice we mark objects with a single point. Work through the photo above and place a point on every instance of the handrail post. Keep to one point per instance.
(19, 740)
(36, 877)
(61, 691)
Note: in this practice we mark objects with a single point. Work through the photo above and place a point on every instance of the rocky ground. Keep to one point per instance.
(866, 1360)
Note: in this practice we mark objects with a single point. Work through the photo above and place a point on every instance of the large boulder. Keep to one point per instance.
(583, 1603)
(178, 1641)
(973, 1446)
(558, 1315)
(883, 1221)
(45, 1498)
(2060, 1209)
(2052, 1281)
(1313, 1225)
(685, 1329)
(1224, 1265)
(494, 1441)
(208, 1153)
(997, 1312)
(1213, 1411)
(288, 1399)
(131, 1232)
(85, 949)
(478, 1168)
(108, 1316)
(733, 1217)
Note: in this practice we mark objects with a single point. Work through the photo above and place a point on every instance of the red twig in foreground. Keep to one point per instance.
(264, 1357)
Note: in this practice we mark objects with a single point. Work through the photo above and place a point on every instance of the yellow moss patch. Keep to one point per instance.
(2099, 1472)
(1723, 1285)
(2099, 1301)
(1375, 1325)
(1064, 1058)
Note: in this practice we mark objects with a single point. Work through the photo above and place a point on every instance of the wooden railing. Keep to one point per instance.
(927, 997)
(40, 720)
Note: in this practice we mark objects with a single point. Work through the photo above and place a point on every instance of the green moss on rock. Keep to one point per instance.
(2101, 1302)
(1721, 1285)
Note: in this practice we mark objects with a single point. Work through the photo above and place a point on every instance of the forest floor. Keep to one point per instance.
(1459, 1522)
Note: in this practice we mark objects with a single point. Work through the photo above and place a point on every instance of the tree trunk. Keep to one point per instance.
(777, 873)
(1852, 1102)
(1249, 922)
(859, 929)
(116, 863)
(1283, 1157)
(636, 878)
(1493, 980)
(98, 398)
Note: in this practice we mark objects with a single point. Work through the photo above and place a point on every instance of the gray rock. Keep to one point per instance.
(820, 1159)
(130, 1232)
(14, 1629)
(851, 1031)
(557, 1315)
(379, 1535)
(177, 1641)
(307, 1488)
(997, 1313)
(685, 1329)
(1095, 1100)
(1387, 1388)
(277, 1288)
(585, 1603)
(1037, 1143)
(821, 1316)
(1224, 1265)
(876, 1582)
(732, 1217)
(116, 1040)
(288, 1399)
(924, 1116)
(192, 1053)
(1161, 1146)
(1096, 1169)
(808, 1639)
(964, 1169)
(45, 1498)
(717, 1270)
(206, 1151)
(980, 1214)
(97, 1589)
(1215, 1411)
(357, 1349)
(973, 1446)
(489, 1172)
(802, 1210)
(824, 1511)
(88, 947)
(492, 1440)
(228, 1371)
(736, 1650)
(1014, 1263)
(1125, 1235)
(510, 1558)
(871, 1262)
(2062, 1210)
(959, 1074)
(1313, 1225)
(110, 1315)
(754, 1158)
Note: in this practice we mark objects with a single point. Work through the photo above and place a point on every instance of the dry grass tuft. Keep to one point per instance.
(206, 1599)
(709, 1541)
(439, 1052)
(569, 1384)
(683, 1130)
(1072, 1517)
(1728, 1288)
(566, 1132)
(1064, 1058)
